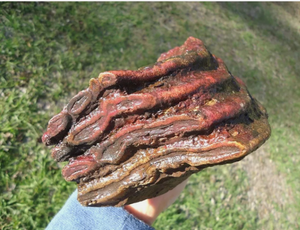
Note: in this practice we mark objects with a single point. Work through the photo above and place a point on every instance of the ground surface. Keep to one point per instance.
(48, 52)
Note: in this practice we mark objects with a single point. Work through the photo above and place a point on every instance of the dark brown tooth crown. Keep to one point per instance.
(135, 134)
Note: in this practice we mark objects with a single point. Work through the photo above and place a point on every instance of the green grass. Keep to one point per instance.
(49, 51)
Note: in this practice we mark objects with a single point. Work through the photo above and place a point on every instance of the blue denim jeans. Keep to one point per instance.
(74, 216)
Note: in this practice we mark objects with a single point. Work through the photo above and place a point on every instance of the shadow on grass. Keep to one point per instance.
(263, 19)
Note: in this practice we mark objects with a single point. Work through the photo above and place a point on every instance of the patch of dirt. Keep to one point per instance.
(269, 193)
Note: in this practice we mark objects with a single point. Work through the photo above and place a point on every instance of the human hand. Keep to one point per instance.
(148, 210)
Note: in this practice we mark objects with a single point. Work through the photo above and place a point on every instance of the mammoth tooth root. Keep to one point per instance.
(137, 131)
